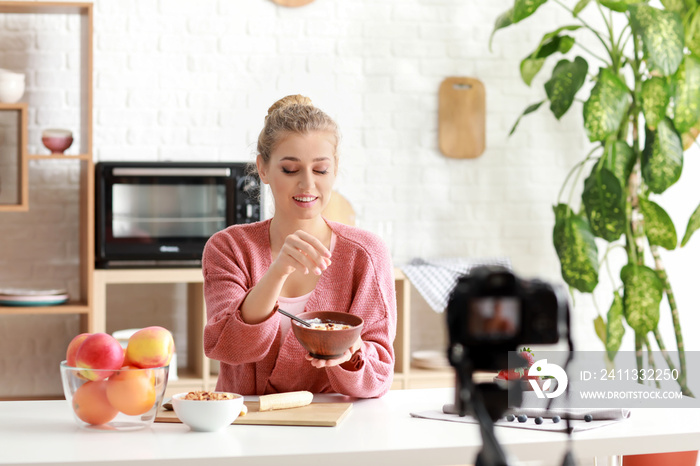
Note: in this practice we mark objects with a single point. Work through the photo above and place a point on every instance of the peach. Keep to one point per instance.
(73, 348)
(150, 347)
(101, 352)
(132, 390)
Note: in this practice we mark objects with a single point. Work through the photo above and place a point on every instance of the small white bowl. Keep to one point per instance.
(11, 90)
(207, 415)
(7, 75)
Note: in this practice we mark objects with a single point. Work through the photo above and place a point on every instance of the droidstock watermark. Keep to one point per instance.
(591, 380)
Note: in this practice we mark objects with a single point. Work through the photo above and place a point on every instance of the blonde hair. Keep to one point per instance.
(293, 114)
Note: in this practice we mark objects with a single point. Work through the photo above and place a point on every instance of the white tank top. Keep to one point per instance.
(296, 305)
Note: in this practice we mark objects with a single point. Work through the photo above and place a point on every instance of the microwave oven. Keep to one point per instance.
(161, 214)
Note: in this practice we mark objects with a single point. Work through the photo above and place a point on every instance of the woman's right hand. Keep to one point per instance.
(304, 252)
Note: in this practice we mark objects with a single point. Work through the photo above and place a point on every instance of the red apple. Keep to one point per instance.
(99, 351)
(150, 347)
(73, 348)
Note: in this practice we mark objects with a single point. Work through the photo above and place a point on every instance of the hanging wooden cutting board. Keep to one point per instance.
(462, 118)
(315, 414)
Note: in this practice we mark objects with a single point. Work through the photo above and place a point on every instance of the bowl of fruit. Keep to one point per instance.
(113, 389)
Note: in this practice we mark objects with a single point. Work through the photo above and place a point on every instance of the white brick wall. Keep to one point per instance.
(192, 80)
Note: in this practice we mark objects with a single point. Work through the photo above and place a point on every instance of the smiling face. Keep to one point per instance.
(301, 173)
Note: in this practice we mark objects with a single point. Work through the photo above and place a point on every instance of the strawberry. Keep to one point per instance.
(528, 356)
(508, 374)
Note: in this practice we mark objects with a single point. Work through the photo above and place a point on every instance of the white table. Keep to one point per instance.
(378, 431)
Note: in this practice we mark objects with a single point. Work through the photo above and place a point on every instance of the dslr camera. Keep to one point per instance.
(491, 312)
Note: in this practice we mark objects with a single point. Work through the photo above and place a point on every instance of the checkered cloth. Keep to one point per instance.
(434, 279)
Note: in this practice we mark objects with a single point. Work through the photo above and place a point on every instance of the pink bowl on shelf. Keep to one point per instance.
(57, 140)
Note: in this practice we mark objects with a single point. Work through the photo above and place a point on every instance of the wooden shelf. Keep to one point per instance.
(59, 157)
(68, 308)
(61, 8)
(182, 275)
(15, 106)
(81, 304)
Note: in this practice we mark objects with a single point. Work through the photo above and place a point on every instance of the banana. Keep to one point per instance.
(285, 400)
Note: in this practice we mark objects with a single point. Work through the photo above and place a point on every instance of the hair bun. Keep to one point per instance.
(296, 99)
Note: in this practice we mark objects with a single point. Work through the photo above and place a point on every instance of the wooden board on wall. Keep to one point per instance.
(462, 118)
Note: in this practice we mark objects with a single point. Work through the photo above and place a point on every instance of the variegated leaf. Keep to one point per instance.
(643, 293)
(604, 201)
(524, 8)
(567, 78)
(618, 5)
(662, 37)
(687, 94)
(655, 99)
(580, 6)
(503, 21)
(527, 111)
(605, 109)
(576, 248)
(693, 225)
(658, 226)
(600, 328)
(615, 329)
(551, 43)
(619, 158)
(692, 33)
(662, 158)
(674, 5)
(529, 68)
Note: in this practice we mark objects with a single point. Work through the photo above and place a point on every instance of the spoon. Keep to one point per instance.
(293, 317)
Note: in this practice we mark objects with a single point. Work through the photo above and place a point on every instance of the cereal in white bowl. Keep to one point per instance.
(205, 411)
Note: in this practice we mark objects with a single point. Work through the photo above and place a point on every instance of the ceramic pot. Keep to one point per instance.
(57, 140)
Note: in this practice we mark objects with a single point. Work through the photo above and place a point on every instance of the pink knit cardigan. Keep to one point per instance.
(254, 360)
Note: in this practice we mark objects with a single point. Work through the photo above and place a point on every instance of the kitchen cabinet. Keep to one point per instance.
(90, 301)
(81, 303)
(199, 373)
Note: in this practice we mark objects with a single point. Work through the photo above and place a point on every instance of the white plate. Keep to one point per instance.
(31, 292)
(33, 300)
(430, 359)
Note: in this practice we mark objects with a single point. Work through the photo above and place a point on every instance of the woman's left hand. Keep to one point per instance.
(320, 363)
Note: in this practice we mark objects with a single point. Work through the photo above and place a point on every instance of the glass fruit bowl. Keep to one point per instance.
(125, 399)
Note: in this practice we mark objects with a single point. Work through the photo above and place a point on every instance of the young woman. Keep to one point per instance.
(299, 261)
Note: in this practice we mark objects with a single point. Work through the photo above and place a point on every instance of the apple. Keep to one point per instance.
(73, 348)
(100, 355)
(150, 347)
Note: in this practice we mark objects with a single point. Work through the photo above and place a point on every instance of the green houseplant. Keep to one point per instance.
(642, 113)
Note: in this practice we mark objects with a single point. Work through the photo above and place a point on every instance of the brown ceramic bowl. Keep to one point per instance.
(327, 344)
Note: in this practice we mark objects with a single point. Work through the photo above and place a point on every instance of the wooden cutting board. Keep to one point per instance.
(315, 414)
(462, 118)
